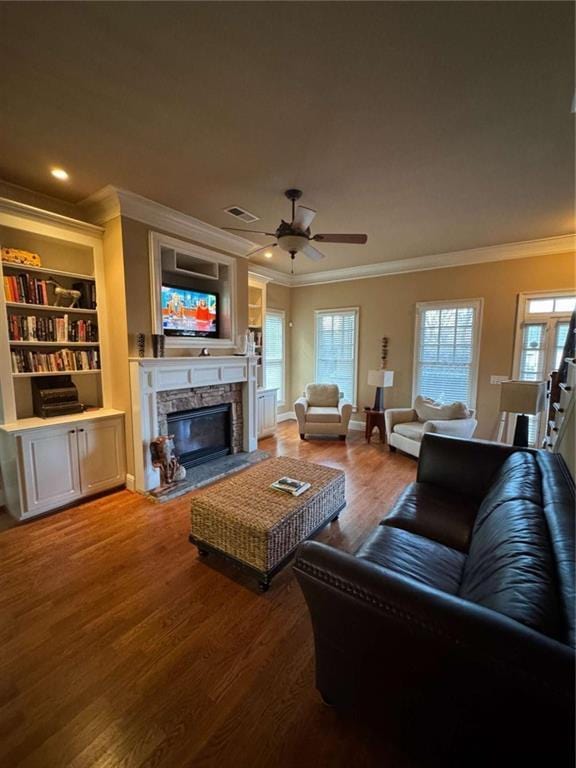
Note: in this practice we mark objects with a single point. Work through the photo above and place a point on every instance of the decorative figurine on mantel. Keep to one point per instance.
(164, 459)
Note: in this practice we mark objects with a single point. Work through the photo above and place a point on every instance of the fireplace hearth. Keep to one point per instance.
(201, 434)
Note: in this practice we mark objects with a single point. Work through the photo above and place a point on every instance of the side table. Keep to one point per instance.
(375, 419)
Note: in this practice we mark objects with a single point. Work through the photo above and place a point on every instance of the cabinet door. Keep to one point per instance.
(49, 469)
(260, 414)
(101, 453)
(270, 411)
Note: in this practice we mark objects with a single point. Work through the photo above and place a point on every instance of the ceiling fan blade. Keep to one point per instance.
(351, 239)
(303, 218)
(251, 231)
(262, 248)
(313, 253)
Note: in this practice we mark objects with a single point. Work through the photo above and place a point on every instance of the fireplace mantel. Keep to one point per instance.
(150, 375)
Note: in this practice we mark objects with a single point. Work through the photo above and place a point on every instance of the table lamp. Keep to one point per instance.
(380, 379)
(522, 398)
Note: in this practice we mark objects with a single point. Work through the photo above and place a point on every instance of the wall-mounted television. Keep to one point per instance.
(189, 313)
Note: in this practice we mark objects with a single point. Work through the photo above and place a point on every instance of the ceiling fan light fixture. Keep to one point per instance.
(291, 243)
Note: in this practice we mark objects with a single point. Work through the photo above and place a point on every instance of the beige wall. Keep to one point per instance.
(387, 308)
(279, 297)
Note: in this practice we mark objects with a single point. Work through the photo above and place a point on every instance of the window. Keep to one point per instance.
(337, 350)
(274, 352)
(446, 350)
(543, 321)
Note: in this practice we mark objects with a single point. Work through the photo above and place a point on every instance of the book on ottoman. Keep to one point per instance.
(290, 485)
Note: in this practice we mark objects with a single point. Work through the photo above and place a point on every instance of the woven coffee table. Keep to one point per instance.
(258, 527)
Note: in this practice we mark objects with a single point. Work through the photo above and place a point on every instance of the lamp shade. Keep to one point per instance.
(522, 396)
(381, 378)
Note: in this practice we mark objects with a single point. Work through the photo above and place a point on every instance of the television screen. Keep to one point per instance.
(189, 313)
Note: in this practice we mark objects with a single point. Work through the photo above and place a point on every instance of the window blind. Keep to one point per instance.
(274, 352)
(446, 354)
(336, 350)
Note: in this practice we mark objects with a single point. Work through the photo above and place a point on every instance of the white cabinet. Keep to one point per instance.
(49, 469)
(101, 455)
(56, 465)
(266, 412)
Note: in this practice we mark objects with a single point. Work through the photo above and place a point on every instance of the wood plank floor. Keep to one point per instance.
(119, 647)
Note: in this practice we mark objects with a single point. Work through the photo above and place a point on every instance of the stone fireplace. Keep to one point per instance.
(164, 387)
(206, 421)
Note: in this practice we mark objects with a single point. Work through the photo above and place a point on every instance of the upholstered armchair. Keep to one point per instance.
(405, 427)
(321, 411)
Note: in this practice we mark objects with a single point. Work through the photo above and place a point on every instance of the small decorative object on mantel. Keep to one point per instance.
(158, 344)
(204, 352)
(141, 344)
(164, 459)
(241, 344)
(17, 256)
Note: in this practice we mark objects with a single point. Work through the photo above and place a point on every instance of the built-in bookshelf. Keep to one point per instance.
(256, 315)
(40, 334)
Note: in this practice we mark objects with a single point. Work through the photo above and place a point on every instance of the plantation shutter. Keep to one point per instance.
(274, 352)
(336, 334)
(446, 354)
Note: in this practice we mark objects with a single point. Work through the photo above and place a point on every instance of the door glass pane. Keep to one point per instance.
(566, 304)
(561, 332)
(540, 305)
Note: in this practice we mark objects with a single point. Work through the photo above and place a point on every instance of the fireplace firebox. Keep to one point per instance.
(201, 434)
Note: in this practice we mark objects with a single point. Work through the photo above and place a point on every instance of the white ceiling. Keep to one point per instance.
(432, 127)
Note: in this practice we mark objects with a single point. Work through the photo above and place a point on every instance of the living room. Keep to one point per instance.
(328, 242)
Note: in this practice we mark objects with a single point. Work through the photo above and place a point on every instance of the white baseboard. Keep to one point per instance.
(130, 482)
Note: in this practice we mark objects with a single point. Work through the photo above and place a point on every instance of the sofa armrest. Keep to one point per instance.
(300, 408)
(345, 410)
(381, 636)
(466, 466)
(393, 416)
(454, 427)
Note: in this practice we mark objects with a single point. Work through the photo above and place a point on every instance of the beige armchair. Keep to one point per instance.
(322, 412)
(405, 427)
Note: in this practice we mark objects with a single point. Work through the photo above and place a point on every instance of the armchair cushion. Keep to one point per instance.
(322, 395)
(321, 415)
(430, 410)
(411, 429)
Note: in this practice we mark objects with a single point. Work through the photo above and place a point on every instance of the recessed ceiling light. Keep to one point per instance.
(268, 254)
(60, 174)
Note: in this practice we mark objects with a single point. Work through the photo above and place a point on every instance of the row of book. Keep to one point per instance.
(32, 328)
(26, 289)
(26, 361)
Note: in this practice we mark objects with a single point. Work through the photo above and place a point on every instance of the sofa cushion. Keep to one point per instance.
(518, 478)
(411, 429)
(323, 415)
(431, 410)
(510, 566)
(433, 512)
(416, 557)
(322, 395)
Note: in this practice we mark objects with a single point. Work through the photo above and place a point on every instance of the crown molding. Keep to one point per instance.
(23, 210)
(271, 275)
(521, 250)
(110, 202)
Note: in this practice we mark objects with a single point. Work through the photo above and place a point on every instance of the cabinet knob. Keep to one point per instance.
(80, 430)
(71, 431)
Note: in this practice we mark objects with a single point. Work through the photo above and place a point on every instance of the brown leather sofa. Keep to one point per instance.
(458, 612)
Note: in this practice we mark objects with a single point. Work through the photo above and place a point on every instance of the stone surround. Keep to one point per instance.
(175, 400)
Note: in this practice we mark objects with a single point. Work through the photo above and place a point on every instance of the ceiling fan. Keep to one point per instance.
(296, 236)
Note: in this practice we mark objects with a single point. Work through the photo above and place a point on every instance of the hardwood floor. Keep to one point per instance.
(119, 647)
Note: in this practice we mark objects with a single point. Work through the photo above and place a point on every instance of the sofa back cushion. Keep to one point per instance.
(430, 410)
(322, 395)
(511, 566)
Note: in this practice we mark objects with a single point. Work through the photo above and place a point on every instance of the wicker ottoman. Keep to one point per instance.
(258, 527)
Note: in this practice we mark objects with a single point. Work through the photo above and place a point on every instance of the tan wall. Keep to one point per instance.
(387, 308)
(39, 200)
(279, 297)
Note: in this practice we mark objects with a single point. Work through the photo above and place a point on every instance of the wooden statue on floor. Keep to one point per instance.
(164, 459)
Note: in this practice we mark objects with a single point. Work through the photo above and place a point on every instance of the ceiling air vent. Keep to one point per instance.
(242, 214)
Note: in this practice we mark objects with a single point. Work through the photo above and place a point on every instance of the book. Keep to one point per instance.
(290, 485)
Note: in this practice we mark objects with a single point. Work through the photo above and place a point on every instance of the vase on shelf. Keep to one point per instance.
(158, 344)
(141, 344)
